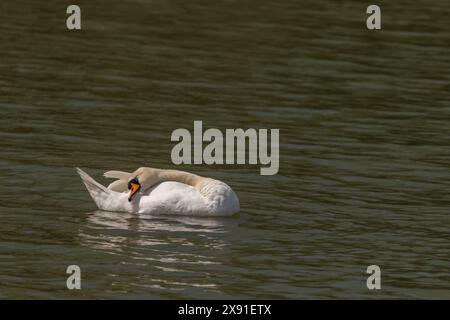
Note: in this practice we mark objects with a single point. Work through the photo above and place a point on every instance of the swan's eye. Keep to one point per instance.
(129, 185)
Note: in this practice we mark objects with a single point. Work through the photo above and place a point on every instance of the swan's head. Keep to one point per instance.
(134, 186)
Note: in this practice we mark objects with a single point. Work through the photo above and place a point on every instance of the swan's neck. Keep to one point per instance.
(181, 176)
(148, 177)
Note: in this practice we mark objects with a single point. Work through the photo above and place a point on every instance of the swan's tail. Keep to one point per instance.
(96, 190)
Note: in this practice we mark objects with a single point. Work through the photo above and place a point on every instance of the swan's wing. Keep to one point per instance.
(214, 199)
(172, 197)
(119, 186)
(114, 174)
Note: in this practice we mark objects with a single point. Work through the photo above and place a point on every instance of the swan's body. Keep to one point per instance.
(163, 192)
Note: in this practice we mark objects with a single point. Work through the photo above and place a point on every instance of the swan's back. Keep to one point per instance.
(169, 197)
(172, 197)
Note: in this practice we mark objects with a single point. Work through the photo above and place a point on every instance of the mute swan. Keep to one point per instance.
(159, 191)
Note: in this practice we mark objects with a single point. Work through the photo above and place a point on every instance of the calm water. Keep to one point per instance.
(364, 122)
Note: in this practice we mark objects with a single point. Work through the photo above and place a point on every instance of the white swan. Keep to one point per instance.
(158, 191)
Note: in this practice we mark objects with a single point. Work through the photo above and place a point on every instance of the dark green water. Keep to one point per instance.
(364, 121)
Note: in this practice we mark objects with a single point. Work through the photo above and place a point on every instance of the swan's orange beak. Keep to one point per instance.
(134, 187)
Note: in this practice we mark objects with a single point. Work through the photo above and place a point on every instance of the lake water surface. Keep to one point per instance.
(364, 121)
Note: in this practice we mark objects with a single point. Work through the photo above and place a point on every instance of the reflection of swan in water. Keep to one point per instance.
(155, 252)
(151, 230)
(133, 222)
